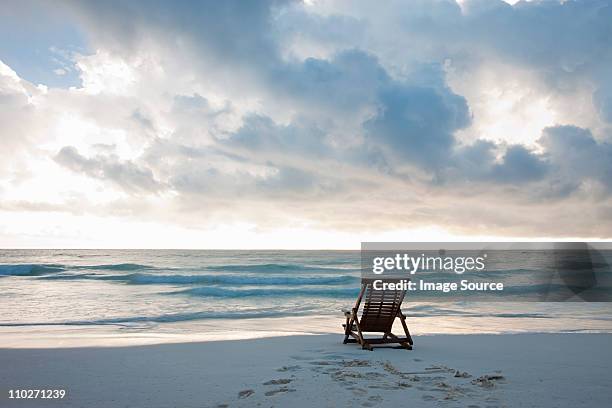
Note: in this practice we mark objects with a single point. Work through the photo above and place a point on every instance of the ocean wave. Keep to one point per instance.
(245, 268)
(170, 318)
(29, 269)
(44, 269)
(147, 279)
(115, 267)
(276, 267)
(240, 280)
(433, 310)
(238, 293)
(455, 313)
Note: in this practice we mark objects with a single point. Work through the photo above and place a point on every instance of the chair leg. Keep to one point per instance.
(404, 344)
(405, 326)
(367, 346)
(364, 344)
(347, 330)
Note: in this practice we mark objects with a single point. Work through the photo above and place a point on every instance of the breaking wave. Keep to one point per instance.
(146, 279)
(270, 293)
(30, 269)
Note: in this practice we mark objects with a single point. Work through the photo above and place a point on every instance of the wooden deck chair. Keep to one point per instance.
(379, 311)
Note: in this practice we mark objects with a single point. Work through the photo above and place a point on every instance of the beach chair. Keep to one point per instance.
(379, 311)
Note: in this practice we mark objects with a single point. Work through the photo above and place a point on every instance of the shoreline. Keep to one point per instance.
(565, 369)
(41, 336)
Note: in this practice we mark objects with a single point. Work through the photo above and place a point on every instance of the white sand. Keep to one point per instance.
(539, 370)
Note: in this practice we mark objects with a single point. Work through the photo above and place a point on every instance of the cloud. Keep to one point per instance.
(220, 34)
(417, 123)
(519, 165)
(602, 98)
(126, 174)
(343, 116)
(348, 80)
(577, 157)
(262, 134)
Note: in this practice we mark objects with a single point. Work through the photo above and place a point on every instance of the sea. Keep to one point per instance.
(90, 297)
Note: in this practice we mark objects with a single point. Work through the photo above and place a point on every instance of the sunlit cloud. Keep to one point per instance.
(316, 125)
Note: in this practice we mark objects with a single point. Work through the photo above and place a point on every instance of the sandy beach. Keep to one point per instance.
(200, 200)
(514, 370)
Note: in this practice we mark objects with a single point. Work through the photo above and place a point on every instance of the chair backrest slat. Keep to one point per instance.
(380, 308)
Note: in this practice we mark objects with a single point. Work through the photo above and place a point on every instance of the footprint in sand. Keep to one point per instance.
(345, 375)
(388, 367)
(488, 381)
(402, 384)
(384, 387)
(358, 391)
(280, 381)
(278, 391)
(321, 363)
(462, 374)
(288, 368)
(245, 393)
(372, 401)
(355, 363)
(374, 374)
(429, 398)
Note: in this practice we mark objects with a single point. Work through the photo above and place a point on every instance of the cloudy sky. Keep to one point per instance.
(303, 125)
